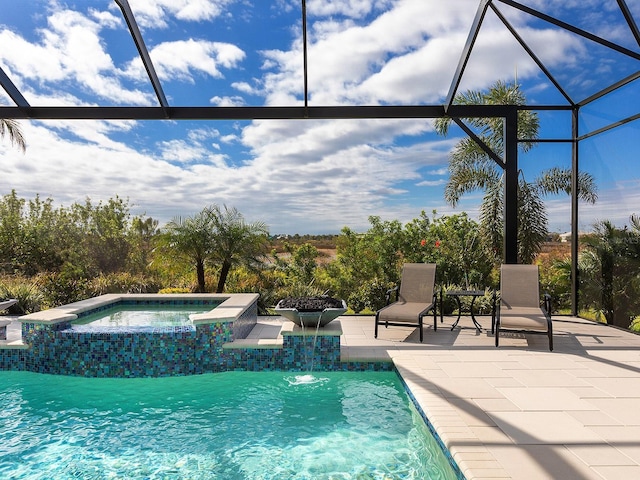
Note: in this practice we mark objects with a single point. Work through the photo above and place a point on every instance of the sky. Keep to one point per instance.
(306, 177)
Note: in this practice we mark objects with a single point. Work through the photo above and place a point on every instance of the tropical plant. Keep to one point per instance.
(216, 235)
(366, 261)
(609, 272)
(452, 242)
(142, 235)
(471, 168)
(12, 129)
(298, 265)
(236, 242)
(25, 290)
(191, 238)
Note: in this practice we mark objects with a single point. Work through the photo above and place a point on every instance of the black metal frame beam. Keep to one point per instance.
(255, 113)
(466, 52)
(575, 164)
(633, 26)
(485, 148)
(142, 50)
(572, 29)
(12, 90)
(531, 53)
(511, 188)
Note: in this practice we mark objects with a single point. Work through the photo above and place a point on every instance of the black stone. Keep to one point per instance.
(310, 304)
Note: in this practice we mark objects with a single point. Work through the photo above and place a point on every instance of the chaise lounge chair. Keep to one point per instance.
(414, 298)
(519, 307)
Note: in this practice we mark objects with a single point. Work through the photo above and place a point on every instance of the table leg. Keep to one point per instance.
(455, 324)
(473, 317)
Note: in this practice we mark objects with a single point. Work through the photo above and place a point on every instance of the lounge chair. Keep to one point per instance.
(519, 308)
(415, 297)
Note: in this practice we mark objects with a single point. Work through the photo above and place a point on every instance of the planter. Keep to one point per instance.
(308, 311)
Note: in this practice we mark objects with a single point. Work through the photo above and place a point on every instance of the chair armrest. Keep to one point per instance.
(387, 295)
(547, 303)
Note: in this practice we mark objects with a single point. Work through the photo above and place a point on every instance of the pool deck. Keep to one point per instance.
(518, 411)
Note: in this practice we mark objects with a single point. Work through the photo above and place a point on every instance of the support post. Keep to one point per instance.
(575, 283)
(511, 187)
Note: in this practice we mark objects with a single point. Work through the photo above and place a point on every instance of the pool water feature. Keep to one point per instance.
(234, 425)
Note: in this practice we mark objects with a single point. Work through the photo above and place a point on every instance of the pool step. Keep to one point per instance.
(267, 333)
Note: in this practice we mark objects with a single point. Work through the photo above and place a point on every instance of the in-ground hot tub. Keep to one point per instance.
(59, 343)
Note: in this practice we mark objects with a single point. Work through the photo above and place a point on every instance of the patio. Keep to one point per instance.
(518, 411)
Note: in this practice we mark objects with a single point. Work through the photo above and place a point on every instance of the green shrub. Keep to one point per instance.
(61, 288)
(370, 296)
(175, 290)
(28, 293)
(123, 283)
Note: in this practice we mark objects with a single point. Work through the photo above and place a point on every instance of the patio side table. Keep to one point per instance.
(457, 294)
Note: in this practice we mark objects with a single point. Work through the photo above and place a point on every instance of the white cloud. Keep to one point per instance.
(245, 87)
(153, 13)
(352, 8)
(431, 183)
(70, 49)
(234, 101)
(183, 59)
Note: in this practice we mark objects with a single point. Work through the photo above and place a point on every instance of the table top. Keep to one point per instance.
(465, 293)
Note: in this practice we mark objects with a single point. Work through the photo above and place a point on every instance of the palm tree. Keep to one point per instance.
(235, 241)
(470, 169)
(192, 239)
(609, 278)
(216, 235)
(12, 129)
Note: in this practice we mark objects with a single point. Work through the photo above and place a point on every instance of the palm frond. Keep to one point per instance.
(12, 128)
(532, 222)
(556, 180)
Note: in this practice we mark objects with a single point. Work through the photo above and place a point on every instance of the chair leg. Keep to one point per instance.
(420, 326)
(375, 331)
(497, 331)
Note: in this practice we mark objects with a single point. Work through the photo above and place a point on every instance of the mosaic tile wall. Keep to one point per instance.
(125, 351)
(12, 359)
(244, 323)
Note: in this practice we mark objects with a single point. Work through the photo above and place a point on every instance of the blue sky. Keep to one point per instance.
(300, 176)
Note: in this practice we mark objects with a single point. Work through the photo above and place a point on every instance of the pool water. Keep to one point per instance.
(235, 425)
(143, 315)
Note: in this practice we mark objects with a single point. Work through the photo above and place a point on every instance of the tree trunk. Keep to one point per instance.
(224, 271)
(200, 274)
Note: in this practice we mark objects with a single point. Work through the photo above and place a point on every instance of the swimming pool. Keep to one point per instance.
(230, 425)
